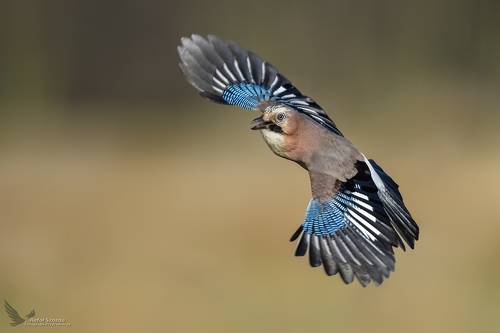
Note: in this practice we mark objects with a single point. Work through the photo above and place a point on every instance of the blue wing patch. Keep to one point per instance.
(246, 95)
(346, 208)
(324, 218)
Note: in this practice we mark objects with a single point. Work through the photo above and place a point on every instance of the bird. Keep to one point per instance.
(14, 316)
(356, 216)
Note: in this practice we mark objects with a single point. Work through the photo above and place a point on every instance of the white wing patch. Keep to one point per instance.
(229, 72)
(237, 65)
(279, 90)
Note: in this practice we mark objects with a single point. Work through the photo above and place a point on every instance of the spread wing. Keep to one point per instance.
(226, 73)
(354, 230)
(14, 316)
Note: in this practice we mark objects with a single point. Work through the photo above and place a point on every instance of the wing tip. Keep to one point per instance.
(341, 258)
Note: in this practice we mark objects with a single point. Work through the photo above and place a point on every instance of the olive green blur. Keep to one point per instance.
(130, 204)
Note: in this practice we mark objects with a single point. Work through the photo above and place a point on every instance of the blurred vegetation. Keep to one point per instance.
(130, 204)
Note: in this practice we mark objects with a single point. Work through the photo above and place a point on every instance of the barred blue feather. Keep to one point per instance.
(346, 208)
(246, 95)
(324, 218)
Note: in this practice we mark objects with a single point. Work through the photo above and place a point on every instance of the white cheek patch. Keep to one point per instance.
(274, 140)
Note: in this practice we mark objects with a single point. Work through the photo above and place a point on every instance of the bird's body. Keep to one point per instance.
(356, 214)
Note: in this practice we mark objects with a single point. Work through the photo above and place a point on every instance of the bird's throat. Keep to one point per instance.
(275, 141)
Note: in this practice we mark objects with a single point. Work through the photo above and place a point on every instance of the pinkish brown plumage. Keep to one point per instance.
(356, 215)
(329, 158)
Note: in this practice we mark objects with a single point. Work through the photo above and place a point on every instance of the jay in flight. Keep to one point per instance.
(356, 214)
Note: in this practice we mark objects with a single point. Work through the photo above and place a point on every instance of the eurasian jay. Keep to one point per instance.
(356, 215)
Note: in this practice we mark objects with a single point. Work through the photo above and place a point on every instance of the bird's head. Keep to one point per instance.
(279, 125)
(279, 119)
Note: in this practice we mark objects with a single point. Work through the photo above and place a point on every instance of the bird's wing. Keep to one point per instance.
(353, 232)
(13, 315)
(226, 73)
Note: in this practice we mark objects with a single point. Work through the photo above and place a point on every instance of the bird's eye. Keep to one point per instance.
(280, 117)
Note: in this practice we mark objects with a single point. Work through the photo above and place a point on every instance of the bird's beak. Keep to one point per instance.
(259, 123)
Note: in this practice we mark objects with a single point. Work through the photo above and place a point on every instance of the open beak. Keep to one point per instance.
(259, 123)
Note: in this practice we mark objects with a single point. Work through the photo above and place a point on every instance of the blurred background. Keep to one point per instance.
(129, 204)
